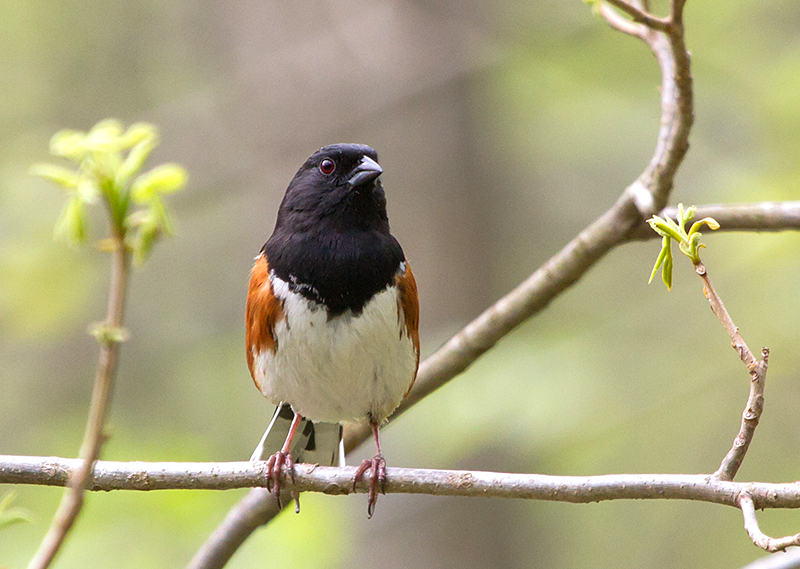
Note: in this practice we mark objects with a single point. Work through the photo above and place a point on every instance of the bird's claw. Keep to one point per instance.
(275, 465)
(377, 468)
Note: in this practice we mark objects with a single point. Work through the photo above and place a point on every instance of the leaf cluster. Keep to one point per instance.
(109, 160)
(688, 241)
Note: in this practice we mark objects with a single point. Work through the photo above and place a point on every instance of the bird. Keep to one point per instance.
(332, 315)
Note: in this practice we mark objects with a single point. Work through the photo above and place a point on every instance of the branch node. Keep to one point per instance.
(642, 199)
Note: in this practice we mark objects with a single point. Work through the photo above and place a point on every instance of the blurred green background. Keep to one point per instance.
(503, 129)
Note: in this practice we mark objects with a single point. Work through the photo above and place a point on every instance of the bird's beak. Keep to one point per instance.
(366, 171)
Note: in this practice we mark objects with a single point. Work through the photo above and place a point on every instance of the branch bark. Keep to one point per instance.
(146, 476)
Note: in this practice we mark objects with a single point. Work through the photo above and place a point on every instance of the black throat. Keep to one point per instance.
(341, 271)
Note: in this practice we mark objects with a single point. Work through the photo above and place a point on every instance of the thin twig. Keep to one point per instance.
(614, 19)
(758, 372)
(148, 476)
(771, 544)
(72, 501)
(737, 342)
(640, 16)
(750, 417)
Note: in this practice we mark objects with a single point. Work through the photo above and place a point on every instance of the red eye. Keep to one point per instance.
(327, 166)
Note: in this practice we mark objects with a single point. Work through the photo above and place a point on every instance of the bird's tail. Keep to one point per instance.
(314, 443)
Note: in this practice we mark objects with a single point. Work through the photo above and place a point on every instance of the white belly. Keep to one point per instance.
(338, 370)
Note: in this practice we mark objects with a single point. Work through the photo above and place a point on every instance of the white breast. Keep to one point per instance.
(338, 370)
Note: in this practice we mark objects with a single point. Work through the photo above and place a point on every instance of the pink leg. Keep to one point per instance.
(283, 457)
(377, 468)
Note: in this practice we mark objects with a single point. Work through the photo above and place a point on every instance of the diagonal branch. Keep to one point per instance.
(737, 342)
(254, 510)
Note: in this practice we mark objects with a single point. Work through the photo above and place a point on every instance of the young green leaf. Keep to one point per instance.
(146, 236)
(71, 224)
(139, 132)
(666, 271)
(166, 178)
(161, 215)
(688, 242)
(110, 160)
(69, 144)
(57, 174)
(135, 160)
(665, 227)
(665, 248)
(105, 136)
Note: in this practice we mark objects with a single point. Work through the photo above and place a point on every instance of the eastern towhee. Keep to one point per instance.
(332, 317)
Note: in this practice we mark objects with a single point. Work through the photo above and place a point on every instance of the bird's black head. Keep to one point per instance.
(332, 242)
(338, 187)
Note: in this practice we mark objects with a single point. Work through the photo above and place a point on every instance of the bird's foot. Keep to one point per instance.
(275, 465)
(377, 468)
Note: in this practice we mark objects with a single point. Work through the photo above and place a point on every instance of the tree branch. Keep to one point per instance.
(641, 16)
(750, 418)
(771, 544)
(93, 438)
(758, 373)
(614, 19)
(146, 476)
(763, 216)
